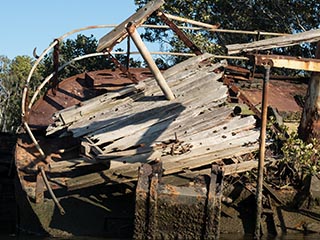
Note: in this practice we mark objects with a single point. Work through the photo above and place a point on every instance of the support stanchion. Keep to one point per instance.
(262, 151)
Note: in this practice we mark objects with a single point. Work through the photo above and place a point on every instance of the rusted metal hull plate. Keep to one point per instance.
(281, 95)
(79, 88)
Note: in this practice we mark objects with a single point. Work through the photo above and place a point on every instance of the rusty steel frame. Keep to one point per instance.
(123, 69)
(279, 61)
(262, 148)
(180, 33)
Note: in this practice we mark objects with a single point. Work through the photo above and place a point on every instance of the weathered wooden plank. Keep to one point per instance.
(199, 161)
(141, 119)
(160, 131)
(77, 112)
(284, 41)
(120, 32)
(235, 125)
(130, 173)
(139, 122)
(113, 109)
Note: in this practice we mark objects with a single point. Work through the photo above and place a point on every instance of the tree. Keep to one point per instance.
(13, 77)
(80, 46)
(284, 16)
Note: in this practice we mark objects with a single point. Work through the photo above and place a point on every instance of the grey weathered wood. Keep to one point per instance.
(285, 41)
(89, 119)
(130, 172)
(120, 32)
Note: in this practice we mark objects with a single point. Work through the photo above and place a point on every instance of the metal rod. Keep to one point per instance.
(181, 35)
(46, 182)
(197, 23)
(262, 151)
(148, 58)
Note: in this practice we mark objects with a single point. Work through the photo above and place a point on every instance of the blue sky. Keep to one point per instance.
(36, 23)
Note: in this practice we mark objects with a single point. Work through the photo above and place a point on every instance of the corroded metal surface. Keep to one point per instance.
(166, 211)
(79, 88)
(281, 95)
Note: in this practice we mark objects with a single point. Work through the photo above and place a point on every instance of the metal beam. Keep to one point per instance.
(307, 64)
(131, 28)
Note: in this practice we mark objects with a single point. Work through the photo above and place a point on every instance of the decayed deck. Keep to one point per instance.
(136, 124)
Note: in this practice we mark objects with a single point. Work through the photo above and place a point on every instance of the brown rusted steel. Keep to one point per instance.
(241, 95)
(153, 200)
(79, 88)
(180, 33)
(54, 198)
(141, 202)
(297, 63)
(214, 203)
(39, 197)
(262, 151)
(131, 28)
(177, 212)
(55, 80)
(123, 69)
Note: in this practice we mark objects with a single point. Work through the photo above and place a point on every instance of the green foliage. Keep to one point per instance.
(298, 158)
(301, 157)
(285, 16)
(13, 77)
(80, 46)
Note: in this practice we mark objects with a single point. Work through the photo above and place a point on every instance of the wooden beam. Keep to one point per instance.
(285, 41)
(119, 33)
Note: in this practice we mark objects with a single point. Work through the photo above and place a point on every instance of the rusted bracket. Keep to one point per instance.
(183, 37)
(55, 80)
(122, 68)
(146, 201)
(213, 210)
(40, 185)
(242, 96)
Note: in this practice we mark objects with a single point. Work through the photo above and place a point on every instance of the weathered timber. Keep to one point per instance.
(120, 32)
(166, 119)
(186, 78)
(130, 171)
(161, 131)
(285, 41)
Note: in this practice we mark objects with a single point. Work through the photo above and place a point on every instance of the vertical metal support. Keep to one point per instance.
(124, 69)
(180, 33)
(262, 150)
(39, 188)
(153, 201)
(55, 80)
(141, 202)
(148, 58)
(213, 211)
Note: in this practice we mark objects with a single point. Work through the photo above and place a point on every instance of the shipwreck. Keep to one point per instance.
(146, 153)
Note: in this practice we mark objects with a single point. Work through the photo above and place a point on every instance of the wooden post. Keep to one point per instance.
(148, 58)
(310, 120)
(262, 150)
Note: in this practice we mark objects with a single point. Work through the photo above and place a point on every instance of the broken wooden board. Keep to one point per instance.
(189, 86)
(119, 33)
(129, 172)
(284, 41)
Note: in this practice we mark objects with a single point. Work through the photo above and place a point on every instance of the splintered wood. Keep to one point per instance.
(137, 125)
